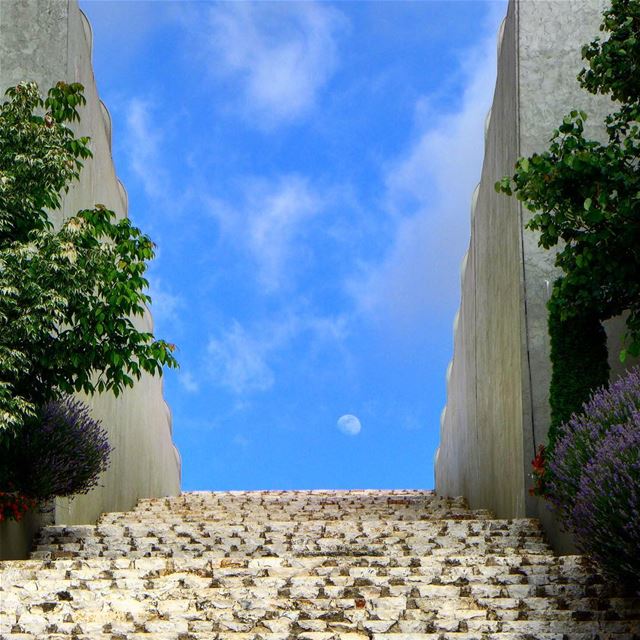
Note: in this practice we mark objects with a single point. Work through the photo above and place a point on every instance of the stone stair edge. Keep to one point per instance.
(317, 636)
(262, 561)
(310, 523)
(234, 492)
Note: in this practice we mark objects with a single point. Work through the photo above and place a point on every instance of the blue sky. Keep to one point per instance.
(306, 171)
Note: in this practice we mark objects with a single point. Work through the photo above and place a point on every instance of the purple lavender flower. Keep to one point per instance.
(582, 436)
(606, 514)
(63, 453)
(594, 478)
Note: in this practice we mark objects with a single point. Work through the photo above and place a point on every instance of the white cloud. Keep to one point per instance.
(237, 361)
(188, 382)
(282, 53)
(349, 424)
(143, 148)
(429, 194)
(165, 305)
(276, 220)
(239, 358)
(272, 224)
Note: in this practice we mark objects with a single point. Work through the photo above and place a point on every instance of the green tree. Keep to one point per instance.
(68, 296)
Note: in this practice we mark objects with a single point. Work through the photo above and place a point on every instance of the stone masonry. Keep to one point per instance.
(312, 565)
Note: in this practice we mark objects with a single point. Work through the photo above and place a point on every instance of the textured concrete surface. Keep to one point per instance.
(481, 447)
(497, 396)
(47, 41)
(312, 565)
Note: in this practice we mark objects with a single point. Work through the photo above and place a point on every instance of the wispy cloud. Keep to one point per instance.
(238, 361)
(239, 358)
(271, 222)
(276, 217)
(166, 306)
(282, 54)
(188, 382)
(428, 194)
(144, 148)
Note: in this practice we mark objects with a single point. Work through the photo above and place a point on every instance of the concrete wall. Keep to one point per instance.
(481, 434)
(497, 392)
(47, 41)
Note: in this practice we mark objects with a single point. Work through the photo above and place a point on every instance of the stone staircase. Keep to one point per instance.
(312, 565)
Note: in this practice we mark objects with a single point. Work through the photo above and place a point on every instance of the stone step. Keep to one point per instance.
(401, 505)
(183, 549)
(389, 526)
(398, 537)
(209, 615)
(428, 600)
(494, 576)
(286, 498)
(129, 618)
(391, 533)
(366, 497)
(598, 597)
(99, 598)
(323, 636)
(321, 565)
(306, 506)
(513, 570)
(212, 515)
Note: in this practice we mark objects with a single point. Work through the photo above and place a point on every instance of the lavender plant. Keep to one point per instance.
(581, 438)
(606, 514)
(594, 479)
(62, 453)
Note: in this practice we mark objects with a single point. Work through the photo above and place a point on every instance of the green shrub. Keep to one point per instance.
(580, 365)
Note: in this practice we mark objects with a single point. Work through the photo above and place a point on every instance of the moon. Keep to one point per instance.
(349, 424)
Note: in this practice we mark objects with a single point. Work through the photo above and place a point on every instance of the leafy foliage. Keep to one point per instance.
(594, 482)
(68, 296)
(580, 365)
(61, 453)
(613, 62)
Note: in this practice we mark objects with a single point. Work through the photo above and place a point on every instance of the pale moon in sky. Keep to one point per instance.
(349, 424)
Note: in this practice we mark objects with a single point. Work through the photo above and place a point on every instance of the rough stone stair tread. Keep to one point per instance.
(559, 633)
(389, 522)
(335, 600)
(354, 565)
(323, 636)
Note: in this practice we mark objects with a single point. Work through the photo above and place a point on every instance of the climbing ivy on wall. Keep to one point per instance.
(584, 196)
(580, 365)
